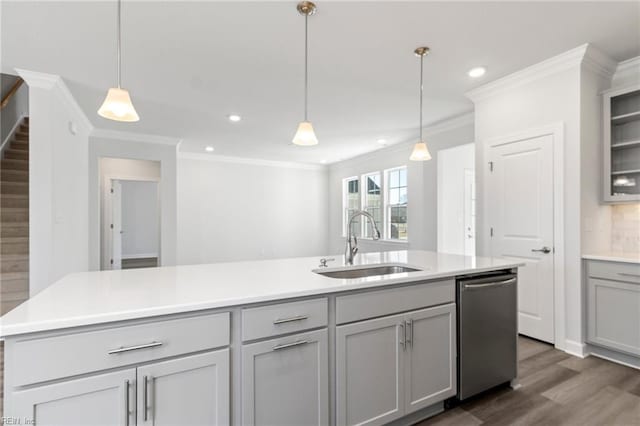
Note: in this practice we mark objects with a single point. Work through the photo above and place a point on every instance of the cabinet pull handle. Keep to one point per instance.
(491, 284)
(410, 332)
(290, 345)
(122, 349)
(403, 336)
(126, 402)
(145, 397)
(291, 319)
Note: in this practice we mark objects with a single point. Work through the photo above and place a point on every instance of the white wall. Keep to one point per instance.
(233, 210)
(421, 180)
(134, 147)
(452, 163)
(58, 195)
(140, 219)
(557, 92)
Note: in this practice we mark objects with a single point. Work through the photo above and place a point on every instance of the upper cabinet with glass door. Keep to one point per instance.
(622, 145)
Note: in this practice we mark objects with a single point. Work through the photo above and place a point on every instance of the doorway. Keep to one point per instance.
(130, 214)
(457, 200)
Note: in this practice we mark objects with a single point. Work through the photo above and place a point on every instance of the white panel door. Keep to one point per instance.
(370, 371)
(192, 390)
(520, 211)
(430, 371)
(104, 399)
(116, 224)
(285, 381)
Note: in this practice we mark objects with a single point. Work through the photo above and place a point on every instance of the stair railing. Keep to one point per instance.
(11, 92)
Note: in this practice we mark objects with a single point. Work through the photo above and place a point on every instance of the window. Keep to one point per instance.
(372, 201)
(351, 204)
(396, 217)
(384, 196)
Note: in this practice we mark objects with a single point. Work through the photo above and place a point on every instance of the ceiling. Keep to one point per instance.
(188, 65)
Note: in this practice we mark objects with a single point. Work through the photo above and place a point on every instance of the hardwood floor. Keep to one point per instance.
(557, 389)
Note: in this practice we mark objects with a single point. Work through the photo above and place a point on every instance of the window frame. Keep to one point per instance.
(345, 200)
(388, 205)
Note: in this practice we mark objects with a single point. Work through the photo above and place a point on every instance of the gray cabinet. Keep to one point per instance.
(392, 366)
(192, 390)
(285, 381)
(370, 371)
(430, 373)
(104, 399)
(613, 306)
(621, 154)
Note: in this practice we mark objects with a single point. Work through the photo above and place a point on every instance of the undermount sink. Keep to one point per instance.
(367, 272)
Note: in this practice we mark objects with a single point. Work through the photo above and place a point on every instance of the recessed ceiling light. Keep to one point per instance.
(234, 118)
(382, 141)
(477, 72)
(323, 161)
(209, 149)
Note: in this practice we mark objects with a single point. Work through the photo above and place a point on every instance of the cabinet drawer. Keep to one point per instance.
(618, 271)
(359, 306)
(282, 318)
(49, 358)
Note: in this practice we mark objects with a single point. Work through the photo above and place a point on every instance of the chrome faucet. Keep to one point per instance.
(351, 249)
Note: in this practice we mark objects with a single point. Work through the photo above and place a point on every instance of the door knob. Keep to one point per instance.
(544, 250)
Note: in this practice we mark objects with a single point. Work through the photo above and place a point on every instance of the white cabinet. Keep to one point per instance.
(392, 366)
(285, 381)
(104, 399)
(192, 390)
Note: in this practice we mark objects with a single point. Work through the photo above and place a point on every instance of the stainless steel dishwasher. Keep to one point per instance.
(487, 331)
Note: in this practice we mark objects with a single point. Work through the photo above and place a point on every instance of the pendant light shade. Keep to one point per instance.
(117, 104)
(420, 151)
(305, 136)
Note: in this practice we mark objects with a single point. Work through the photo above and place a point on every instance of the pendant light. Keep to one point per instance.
(305, 136)
(117, 105)
(420, 151)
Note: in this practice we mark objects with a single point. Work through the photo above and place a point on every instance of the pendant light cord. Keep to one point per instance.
(119, 43)
(421, 96)
(306, 64)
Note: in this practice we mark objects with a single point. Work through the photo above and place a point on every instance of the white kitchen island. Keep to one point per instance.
(261, 342)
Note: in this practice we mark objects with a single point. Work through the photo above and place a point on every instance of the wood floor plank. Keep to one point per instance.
(529, 347)
(454, 417)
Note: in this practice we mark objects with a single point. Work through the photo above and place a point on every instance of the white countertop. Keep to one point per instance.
(98, 297)
(614, 257)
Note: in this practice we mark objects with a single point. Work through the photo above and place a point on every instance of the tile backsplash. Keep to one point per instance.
(625, 228)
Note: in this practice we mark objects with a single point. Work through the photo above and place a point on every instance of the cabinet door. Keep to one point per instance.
(613, 317)
(104, 399)
(430, 371)
(192, 390)
(369, 371)
(286, 381)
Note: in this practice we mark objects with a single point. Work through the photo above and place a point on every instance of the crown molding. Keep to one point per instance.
(595, 60)
(628, 70)
(134, 137)
(599, 62)
(55, 82)
(249, 161)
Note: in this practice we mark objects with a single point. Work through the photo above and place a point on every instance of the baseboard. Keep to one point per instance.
(613, 356)
(576, 348)
(139, 256)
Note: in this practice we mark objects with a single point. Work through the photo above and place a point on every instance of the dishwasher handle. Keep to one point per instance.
(474, 286)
